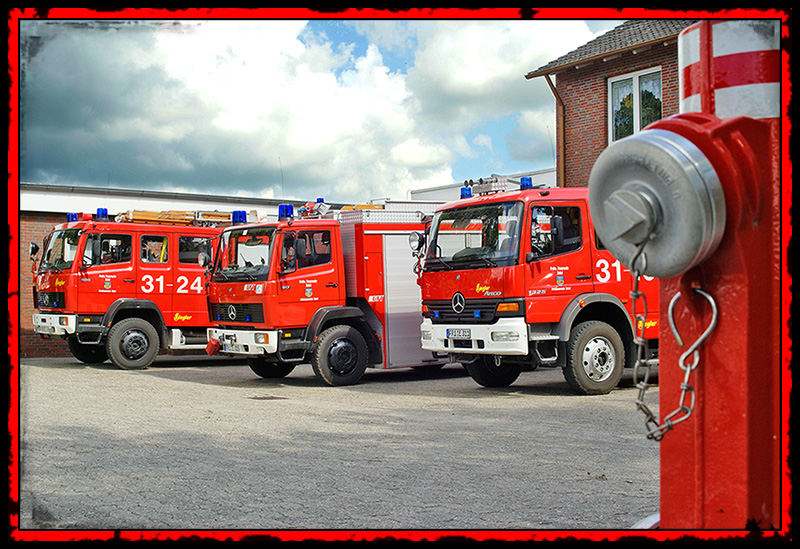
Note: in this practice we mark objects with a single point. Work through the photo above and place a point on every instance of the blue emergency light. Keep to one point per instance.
(285, 211)
(72, 217)
(466, 192)
(239, 217)
(525, 183)
(102, 214)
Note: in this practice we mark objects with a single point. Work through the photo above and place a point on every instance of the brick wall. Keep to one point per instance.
(33, 227)
(585, 95)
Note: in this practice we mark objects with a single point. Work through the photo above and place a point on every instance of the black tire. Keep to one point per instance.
(89, 354)
(595, 358)
(132, 344)
(340, 355)
(270, 370)
(486, 372)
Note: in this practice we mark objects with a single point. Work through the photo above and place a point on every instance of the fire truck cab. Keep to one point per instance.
(125, 289)
(333, 288)
(518, 279)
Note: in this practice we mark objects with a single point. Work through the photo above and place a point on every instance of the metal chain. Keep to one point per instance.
(656, 431)
(686, 388)
(642, 364)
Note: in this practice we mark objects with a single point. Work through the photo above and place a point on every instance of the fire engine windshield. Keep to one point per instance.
(244, 254)
(60, 250)
(473, 237)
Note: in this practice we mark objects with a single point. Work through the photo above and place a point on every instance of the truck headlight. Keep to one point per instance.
(261, 338)
(505, 336)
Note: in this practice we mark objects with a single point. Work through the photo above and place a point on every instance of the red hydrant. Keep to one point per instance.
(695, 199)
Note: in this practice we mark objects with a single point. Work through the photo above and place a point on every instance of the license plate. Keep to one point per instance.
(459, 333)
(232, 347)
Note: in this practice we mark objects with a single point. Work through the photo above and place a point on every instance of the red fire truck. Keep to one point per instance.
(124, 289)
(333, 288)
(517, 279)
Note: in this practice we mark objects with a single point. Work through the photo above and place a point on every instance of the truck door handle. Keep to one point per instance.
(583, 277)
(129, 280)
(331, 285)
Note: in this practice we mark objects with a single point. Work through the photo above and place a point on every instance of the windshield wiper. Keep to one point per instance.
(444, 264)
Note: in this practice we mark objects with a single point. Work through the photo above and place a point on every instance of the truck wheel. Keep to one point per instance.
(340, 355)
(486, 372)
(132, 344)
(270, 370)
(90, 354)
(595, 358)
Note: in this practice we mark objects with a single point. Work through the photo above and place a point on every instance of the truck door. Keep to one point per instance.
(308, 278)
(189, 299)
(560, 261)
(106, 272)
(155, 277)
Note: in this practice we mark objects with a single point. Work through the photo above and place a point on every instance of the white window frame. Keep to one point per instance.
(636, 98)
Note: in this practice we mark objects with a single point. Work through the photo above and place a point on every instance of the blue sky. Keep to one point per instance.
(346, 109)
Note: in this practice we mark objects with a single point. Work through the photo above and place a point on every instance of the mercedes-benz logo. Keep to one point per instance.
(231, 312)
(458, 302)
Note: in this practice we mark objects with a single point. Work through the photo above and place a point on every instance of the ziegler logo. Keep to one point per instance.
(60, 283)
(180, 318)
(485, 290)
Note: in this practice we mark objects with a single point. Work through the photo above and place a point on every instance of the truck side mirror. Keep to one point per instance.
(557, 231)
(33, 250)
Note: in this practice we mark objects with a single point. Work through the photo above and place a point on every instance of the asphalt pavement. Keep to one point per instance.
(206, 445)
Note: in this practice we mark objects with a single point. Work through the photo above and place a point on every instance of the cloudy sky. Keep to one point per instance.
(346, 109)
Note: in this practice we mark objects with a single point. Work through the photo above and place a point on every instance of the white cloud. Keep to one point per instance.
(267, 107)
(483, 140)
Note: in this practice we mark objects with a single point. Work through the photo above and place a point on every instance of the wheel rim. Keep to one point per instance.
(342, 356)
(598, 359)
(134, 344)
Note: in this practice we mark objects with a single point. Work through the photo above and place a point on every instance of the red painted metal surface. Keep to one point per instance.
(721, 468)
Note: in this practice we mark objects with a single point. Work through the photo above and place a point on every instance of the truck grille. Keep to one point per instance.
(50, 300)
(237, 312)
(476, 311)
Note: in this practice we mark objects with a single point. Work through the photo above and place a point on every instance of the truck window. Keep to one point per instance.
(312, 248)
(60, 250)
(555, 229)
(190, 248)
(104, 249)
(244, 254)
(155, 249)
(477, 236)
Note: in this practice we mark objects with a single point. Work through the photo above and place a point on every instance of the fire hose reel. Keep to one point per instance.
(657, 191)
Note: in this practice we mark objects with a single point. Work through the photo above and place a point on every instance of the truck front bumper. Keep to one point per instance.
(245, 342)
(507, 336)
(54, 324)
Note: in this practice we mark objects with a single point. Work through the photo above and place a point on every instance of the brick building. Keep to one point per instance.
(609, 88)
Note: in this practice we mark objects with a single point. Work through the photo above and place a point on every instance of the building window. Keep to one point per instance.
(634, 101)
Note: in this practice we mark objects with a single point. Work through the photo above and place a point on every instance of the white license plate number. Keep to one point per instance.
(232, 347)
(459, 333)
